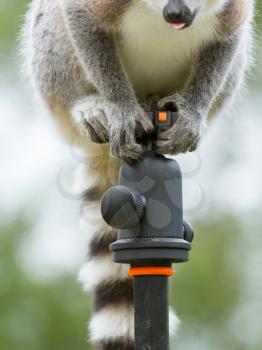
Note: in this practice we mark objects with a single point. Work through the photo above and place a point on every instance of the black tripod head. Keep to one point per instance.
(147, 207)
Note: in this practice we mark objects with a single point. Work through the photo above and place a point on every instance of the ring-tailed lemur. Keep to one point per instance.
(95, 64)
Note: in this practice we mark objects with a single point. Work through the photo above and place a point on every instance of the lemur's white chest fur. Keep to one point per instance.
(156, 57)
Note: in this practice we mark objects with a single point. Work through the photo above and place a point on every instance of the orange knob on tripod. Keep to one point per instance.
(162, 117)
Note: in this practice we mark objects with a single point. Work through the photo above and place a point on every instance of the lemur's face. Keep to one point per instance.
(182, 13)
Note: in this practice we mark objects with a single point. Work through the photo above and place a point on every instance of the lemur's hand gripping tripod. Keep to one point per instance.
(146, 208)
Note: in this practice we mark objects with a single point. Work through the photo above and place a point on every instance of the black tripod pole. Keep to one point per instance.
(146, 208)
(151, 312)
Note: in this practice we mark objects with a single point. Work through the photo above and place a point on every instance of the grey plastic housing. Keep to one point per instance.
(158, 234)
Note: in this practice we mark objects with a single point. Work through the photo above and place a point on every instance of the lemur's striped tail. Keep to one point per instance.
(112, 324)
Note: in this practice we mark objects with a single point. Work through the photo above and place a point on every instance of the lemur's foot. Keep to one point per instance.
(184, 136)
(127, 120)
(90, 116)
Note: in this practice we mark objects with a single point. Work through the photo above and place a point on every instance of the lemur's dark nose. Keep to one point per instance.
(177, 11)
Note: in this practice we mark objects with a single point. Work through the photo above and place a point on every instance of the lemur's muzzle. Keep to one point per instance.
(178, 14)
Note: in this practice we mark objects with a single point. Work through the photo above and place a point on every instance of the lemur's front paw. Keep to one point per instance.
(184, 136)
(90, 116)
(127, 120)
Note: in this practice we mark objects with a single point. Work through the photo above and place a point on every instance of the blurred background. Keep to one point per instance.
(217, 295)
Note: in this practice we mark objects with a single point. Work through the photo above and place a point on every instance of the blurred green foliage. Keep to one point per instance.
(37, 315)
(11, 18)
(206, 290)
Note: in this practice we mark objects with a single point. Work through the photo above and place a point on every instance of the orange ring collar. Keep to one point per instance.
(151, 270)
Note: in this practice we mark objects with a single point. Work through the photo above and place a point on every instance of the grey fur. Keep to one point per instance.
(102, 68)
(211, 77)
(74, 59)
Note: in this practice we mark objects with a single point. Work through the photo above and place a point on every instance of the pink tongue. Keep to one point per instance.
(178, 25)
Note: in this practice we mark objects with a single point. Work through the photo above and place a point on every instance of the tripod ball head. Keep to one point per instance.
(147, 209)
